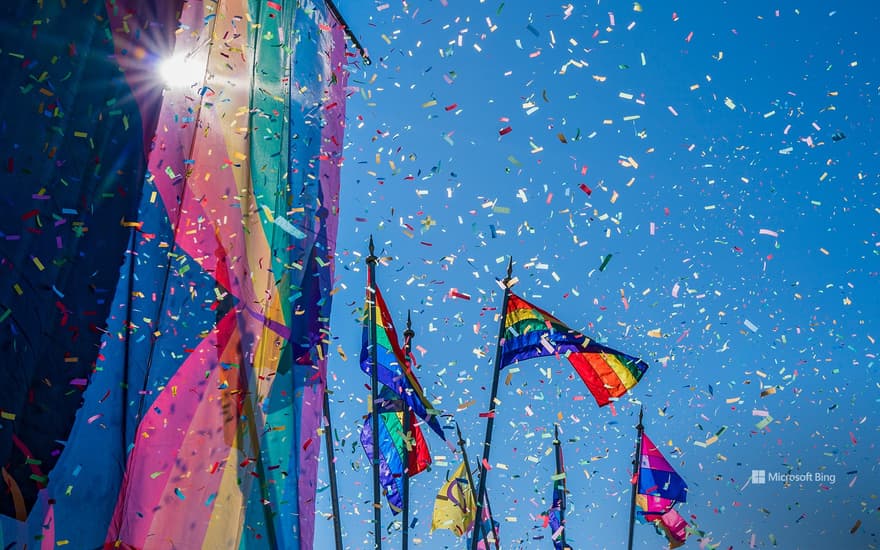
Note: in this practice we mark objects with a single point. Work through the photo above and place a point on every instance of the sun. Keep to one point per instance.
(178, 71)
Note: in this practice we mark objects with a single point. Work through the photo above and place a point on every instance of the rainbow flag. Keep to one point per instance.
(394, 369)
(531, 332)
(199, 421)
(660, 488)
(392, 444)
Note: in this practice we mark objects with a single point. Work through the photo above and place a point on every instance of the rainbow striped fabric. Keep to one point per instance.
(199, 424)
(394, 367)
(392, 442)
(531, 332)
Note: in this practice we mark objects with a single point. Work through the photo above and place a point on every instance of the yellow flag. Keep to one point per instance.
(454, 507)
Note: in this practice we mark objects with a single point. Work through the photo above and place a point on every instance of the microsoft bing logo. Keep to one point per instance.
(762, 477)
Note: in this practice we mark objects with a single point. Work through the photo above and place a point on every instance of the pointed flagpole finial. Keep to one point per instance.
(409, 332)
(371, 259)
(556, 432)
(641, 412)
(510, 268)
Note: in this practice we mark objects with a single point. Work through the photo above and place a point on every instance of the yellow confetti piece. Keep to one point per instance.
(38, 263)
(268, 213)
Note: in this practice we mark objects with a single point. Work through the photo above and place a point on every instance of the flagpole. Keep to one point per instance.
(374, 396)
(558, 445)
(464, 456)
(635, 484)
(490, 421)
(331, 467)
(470, 477)
(407, 348)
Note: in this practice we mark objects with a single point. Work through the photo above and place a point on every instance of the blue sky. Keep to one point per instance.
(731, 160)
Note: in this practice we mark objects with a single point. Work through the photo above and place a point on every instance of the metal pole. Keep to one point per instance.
(374, 396)
(559, 470)
(491, 419)
(407, 426)
(635, 486)
(331, 467)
